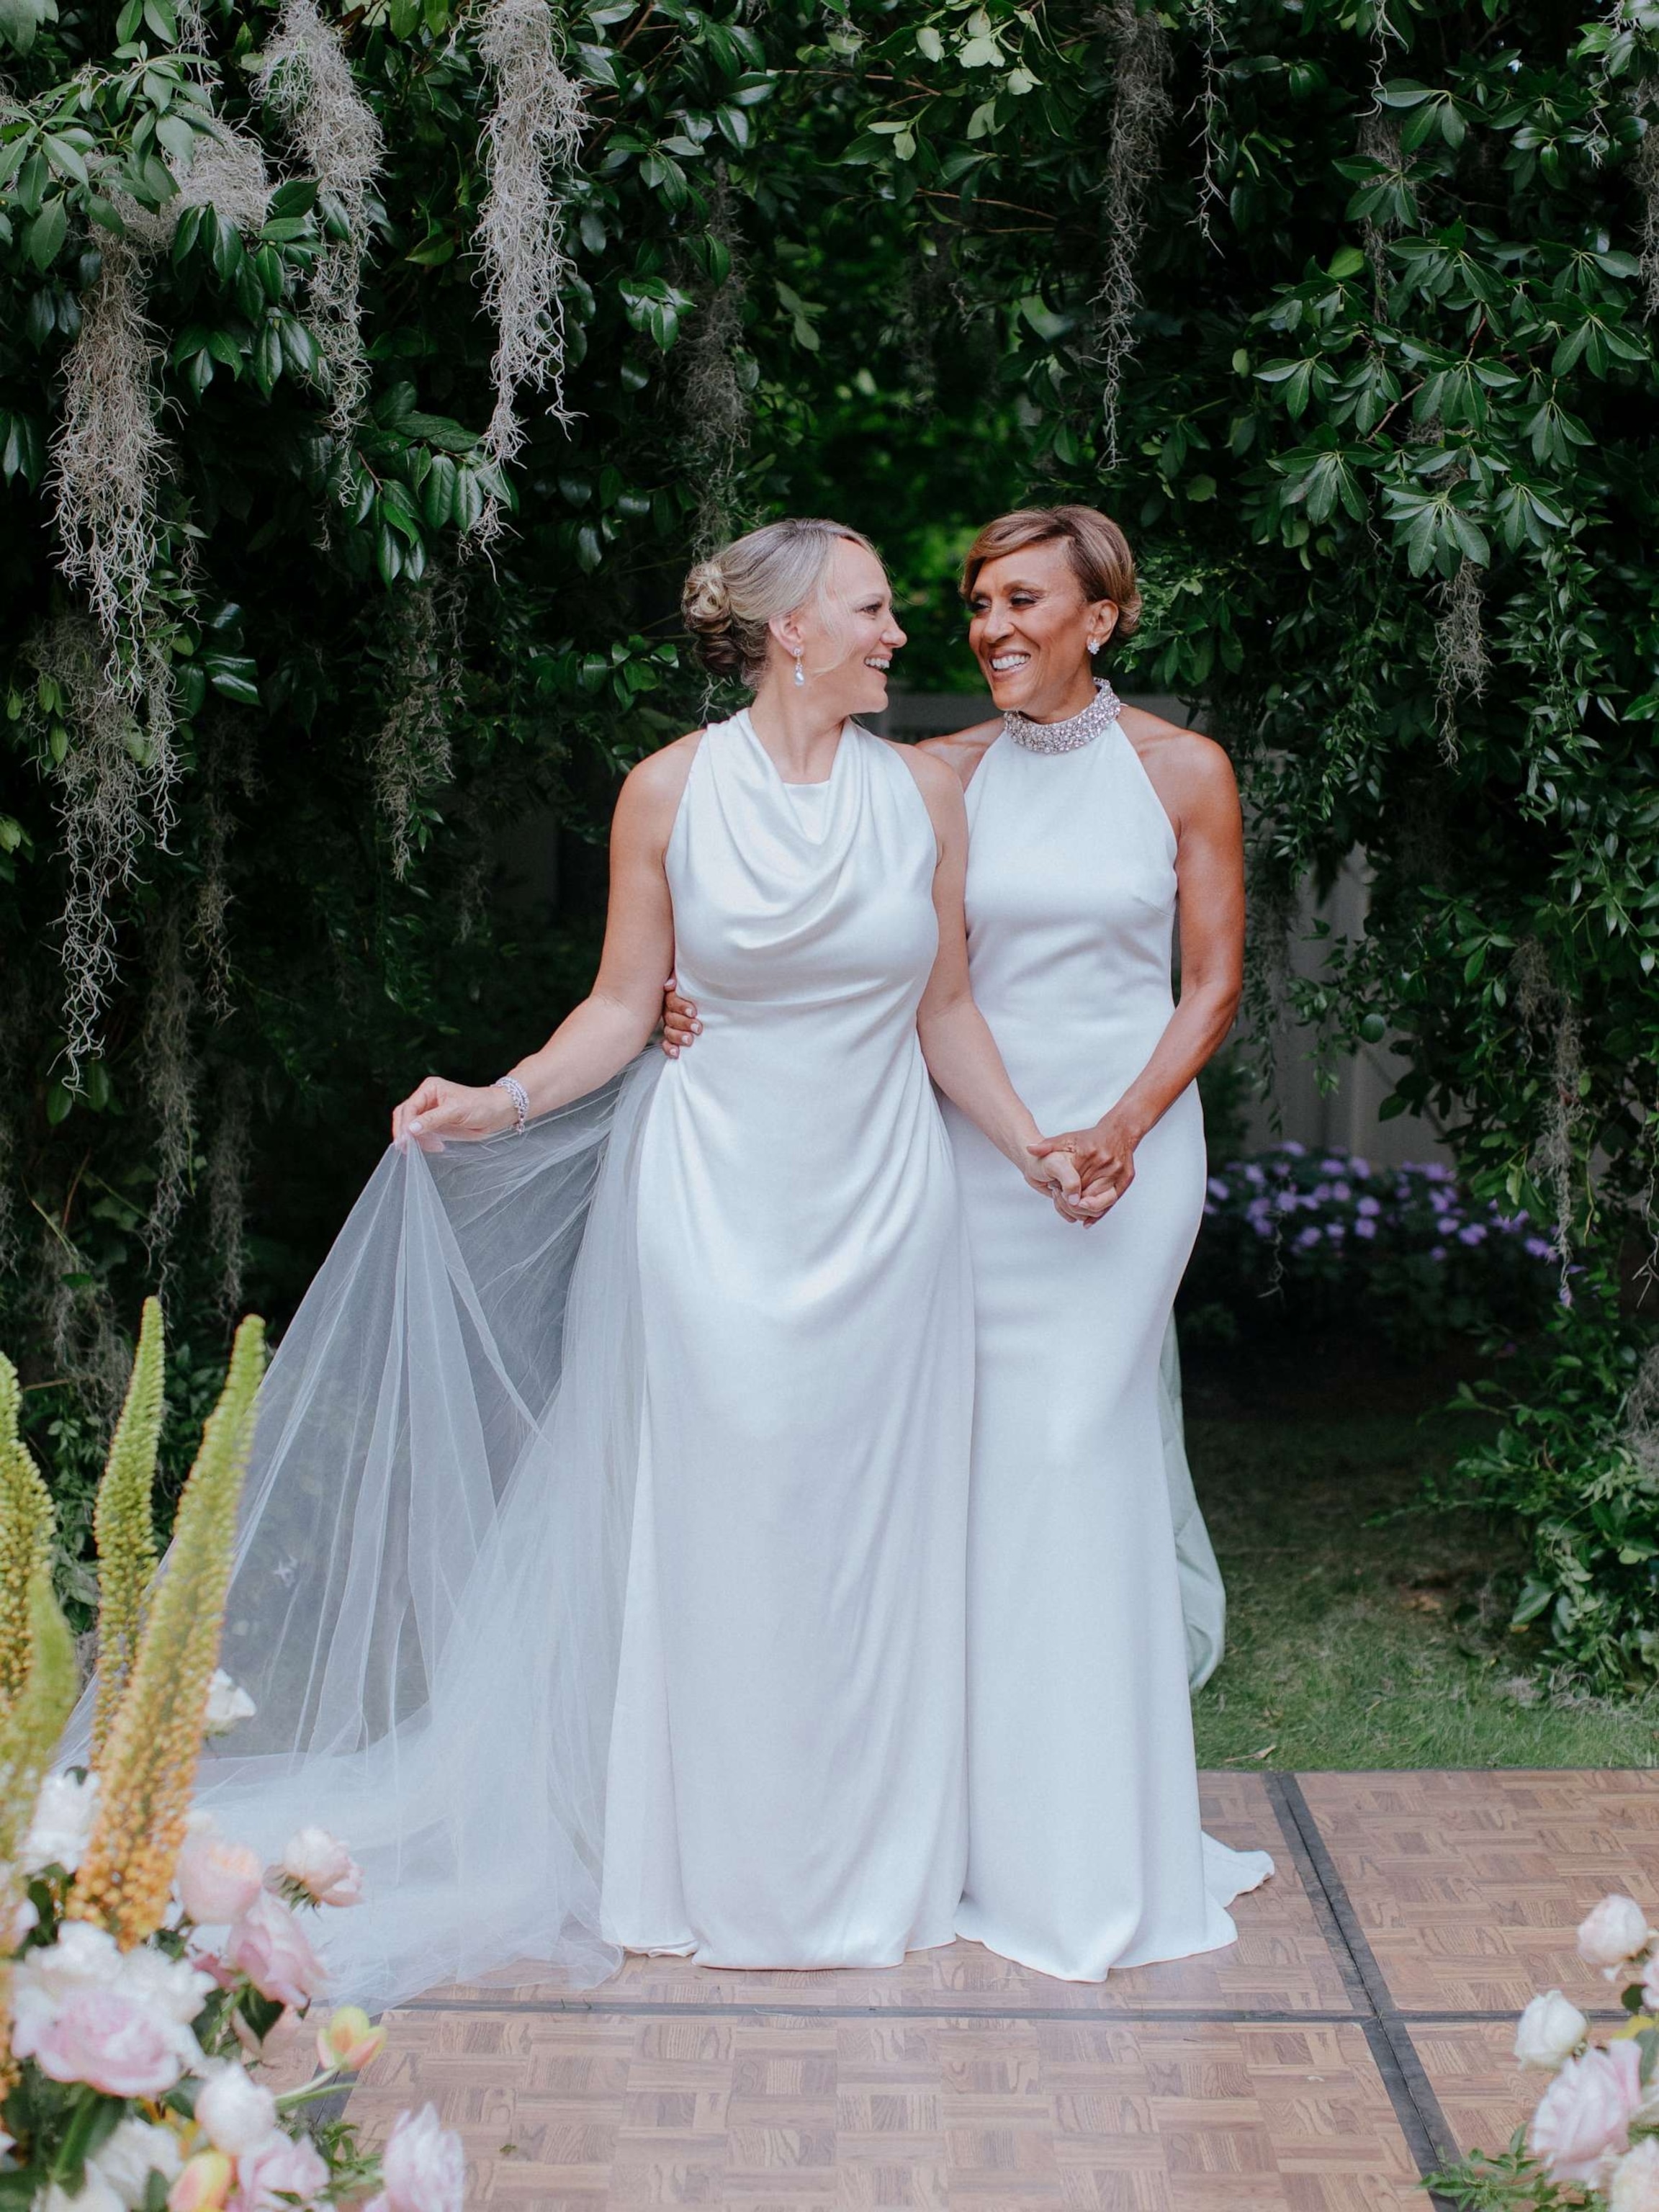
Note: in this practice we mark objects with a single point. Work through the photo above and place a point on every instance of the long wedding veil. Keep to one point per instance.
(426, 1607)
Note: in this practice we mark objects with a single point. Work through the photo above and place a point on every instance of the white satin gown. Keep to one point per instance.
(786, 1780)
(1085, 1847)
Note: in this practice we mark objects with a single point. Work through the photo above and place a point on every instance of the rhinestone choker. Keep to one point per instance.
(1101, 711)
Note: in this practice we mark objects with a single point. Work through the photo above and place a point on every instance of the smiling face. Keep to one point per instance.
(1030, 628)
(847, 634)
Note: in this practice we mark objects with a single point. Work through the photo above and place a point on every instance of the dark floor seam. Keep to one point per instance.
(1423, 2124)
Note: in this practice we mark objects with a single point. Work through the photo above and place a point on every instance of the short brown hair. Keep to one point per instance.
(1100, 559)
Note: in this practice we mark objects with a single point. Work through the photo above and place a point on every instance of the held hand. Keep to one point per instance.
(437, 1110)
(1104, 1157)
(1055, 1177)
(680, 1025)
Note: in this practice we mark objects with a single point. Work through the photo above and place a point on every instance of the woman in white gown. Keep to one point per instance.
(671, 1659)
(1086, 825)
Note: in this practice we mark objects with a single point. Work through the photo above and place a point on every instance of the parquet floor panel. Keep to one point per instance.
(1469, 1887)
(1471, 2065)
(785, 2112)
(1361, 2028)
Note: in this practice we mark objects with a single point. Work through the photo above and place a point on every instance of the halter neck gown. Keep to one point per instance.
(1085, 1851)
(785, 1783)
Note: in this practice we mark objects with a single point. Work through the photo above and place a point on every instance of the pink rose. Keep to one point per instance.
(116, 2046)
(217, 1880)
(423, 2167)
(269, 1946)
(321, 1865)
(1612, 1932)
(1636, 2179)
(280, 2170)
(1583, 2117)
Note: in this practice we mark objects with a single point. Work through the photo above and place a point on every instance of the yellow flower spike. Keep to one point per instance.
(28, 1526)
(125, 1524)
(148, 1767)
(29, 1737)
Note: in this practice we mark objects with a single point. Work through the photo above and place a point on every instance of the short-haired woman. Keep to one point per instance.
(1091, 824)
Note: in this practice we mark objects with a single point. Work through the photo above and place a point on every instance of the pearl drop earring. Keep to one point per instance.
(800, 673)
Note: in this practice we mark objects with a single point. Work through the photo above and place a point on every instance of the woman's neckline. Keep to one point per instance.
(819, 783)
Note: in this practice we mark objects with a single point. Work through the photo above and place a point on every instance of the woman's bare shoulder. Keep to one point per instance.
(652, 788)
(1181, 761)
(963, 750)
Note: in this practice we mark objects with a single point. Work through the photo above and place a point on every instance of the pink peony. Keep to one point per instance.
(321, 1866)
(269, 1946)
(1612, 1934)
(278, 2174)
(1635, 2186)
(217, 1880)
(423, 2167)
(1583, 2117)
(238, 2113)
(113, 2043)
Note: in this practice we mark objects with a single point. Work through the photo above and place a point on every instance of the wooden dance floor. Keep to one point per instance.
(1359, 2030)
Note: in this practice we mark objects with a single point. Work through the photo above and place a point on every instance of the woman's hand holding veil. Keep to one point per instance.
(437, 1111)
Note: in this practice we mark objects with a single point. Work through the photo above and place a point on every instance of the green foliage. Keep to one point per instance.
(1568, 1462)
(1367, 374)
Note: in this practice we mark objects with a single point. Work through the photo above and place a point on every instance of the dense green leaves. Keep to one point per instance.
(1384, 429)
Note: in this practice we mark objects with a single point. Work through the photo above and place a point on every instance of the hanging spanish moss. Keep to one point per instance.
(88, 1351)
(304, 76)
(167, 1064)
(10, 1225)
(230, 1154)
(1645, 170)
(1379, 140)
(114, 785)
(1461, 658)
(108, 459)
(412, 754)
(1541, 1005)
(533, 138)
(1207, 107)
(227, 173)
(714, 396)
(1141, 106)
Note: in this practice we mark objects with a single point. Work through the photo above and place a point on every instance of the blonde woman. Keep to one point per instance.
(686, 1674)
(1090, 825)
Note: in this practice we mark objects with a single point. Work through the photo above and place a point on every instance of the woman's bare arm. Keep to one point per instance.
(1194, 780)
(960, 1051)
(615, 1019)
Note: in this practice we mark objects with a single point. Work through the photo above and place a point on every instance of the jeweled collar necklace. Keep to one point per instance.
(1101, 711)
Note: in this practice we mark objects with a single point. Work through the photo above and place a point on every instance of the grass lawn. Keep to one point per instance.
(1350, 1645)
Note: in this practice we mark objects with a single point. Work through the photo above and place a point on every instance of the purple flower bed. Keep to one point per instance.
(1325, 1236)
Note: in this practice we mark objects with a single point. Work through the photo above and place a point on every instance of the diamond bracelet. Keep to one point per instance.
(520, 1098)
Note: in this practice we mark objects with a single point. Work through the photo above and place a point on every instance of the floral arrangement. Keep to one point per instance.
(1327, 1229)
(1594, 2140)
(151, 1965)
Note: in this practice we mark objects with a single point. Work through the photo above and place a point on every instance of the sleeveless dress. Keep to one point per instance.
(1085, 1850)
(786, 1780)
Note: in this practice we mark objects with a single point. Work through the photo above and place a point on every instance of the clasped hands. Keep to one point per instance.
(1101, 1158)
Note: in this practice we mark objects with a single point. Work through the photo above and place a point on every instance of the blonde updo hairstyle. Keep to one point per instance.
(1098, 551)
(731, 598)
